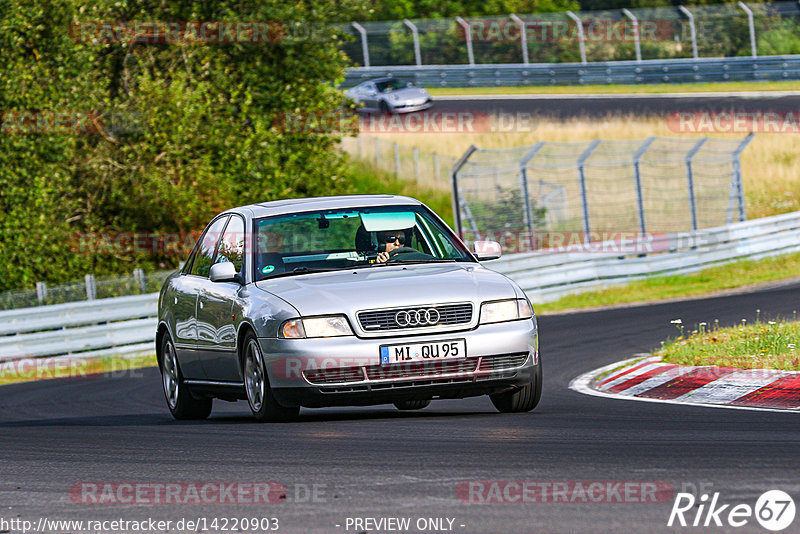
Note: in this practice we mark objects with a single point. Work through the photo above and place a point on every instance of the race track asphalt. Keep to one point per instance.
(378, 462)
(566, 106)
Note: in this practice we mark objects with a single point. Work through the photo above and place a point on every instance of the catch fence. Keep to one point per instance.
(424, 167)
(526, 197)
(722, 30)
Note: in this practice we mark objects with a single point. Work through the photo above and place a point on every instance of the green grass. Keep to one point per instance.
(729, 276)
(762, 345)
(365, 179)
(73, 367)
(707, 87)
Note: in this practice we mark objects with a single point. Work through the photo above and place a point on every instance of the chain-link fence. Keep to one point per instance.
(721, 30)
(90, 288)
(596, 189)
(406, 162)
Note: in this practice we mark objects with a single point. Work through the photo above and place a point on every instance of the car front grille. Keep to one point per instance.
(334, 376)
(460, 369)
(418, 369)
(383, 320)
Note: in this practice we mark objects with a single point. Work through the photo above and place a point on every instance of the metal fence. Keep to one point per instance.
(721, 30)
(597, 188)
(90, 288)
(406, 162)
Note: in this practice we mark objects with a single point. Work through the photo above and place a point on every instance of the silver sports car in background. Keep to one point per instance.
(389, 95)
(353, 300)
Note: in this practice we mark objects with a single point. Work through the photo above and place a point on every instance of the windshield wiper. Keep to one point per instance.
(300, 270)
(408, 262)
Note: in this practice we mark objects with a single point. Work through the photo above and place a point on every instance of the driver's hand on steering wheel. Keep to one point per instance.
(393, 240)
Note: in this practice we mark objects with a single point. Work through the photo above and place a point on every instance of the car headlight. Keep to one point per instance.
(328, 326)
(505, 310)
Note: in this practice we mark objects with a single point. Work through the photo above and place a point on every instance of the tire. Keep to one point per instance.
(180, 401)
(411, 404)
(523, 399)
(384, 107)
(263, 404)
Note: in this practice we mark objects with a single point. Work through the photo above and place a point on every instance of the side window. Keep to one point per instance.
(231, 248)
(208, 246)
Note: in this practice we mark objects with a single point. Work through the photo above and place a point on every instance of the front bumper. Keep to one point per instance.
(411, 109)
(347, 370)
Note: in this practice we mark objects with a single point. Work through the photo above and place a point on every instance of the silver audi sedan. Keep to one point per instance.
(351, 300)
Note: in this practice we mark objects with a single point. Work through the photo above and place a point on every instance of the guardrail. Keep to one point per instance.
(549, 275)
(766, 68)
(88, 329)
(127, 325)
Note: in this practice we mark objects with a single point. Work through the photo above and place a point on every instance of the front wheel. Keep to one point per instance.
(523, 399)
(180, 401)
(259, 395)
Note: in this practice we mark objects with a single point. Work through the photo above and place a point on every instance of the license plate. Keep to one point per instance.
(424, 352)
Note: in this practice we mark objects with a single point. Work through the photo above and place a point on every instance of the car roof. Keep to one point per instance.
(297, 205)
(383, 79)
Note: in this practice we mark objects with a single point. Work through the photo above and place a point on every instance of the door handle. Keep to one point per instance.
(201, 304)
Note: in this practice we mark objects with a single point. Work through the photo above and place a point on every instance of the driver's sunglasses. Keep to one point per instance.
(392, 238)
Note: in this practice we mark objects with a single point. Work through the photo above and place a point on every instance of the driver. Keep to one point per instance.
(393, 239)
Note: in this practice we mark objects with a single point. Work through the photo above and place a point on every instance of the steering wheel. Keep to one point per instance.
(401, 250)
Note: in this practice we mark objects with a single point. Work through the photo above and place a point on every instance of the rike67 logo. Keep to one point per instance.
(774, 510)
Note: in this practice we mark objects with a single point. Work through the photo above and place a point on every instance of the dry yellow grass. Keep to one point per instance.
(770, 165)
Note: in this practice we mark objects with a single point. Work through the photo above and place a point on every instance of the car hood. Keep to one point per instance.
(410, 93)
(386, 287)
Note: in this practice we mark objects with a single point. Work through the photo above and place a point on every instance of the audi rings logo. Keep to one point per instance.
(421, 317)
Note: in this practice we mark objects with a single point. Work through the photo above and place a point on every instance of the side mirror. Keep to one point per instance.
(223, 272)
(487, 250)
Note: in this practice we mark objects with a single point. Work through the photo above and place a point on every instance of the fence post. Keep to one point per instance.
(636, 38)
(690, 180)
(468, 37)
(364, 46)
(751, 26)
(396, 159)
(454, 181)
(415, 35)
(737, 178)
(138, 275)
(523, 172)
(416, 164)
(581, 40)
(584, 197)
(41, 292)
(639, 196)
(523, 36)
(91, 288)
(436, 167)
(692, 29)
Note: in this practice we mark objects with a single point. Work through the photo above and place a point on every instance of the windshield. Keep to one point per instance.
(352, 238)
(389, 85)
